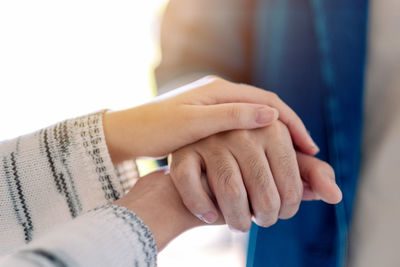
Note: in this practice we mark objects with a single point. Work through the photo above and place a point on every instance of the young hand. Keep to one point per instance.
(193, 112)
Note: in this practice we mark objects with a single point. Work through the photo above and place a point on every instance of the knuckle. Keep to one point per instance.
(286, 156)
(259, 173)
(232, 190)
(291, 197)
(286, 162)
(279, 129)
(212, 145)
(226, 183)
(179, 173)
(241, 137)
(224, 172)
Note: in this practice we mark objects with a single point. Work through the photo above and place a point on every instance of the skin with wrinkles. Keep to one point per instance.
(253, 174)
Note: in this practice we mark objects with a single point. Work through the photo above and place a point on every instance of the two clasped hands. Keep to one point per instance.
(237, 154)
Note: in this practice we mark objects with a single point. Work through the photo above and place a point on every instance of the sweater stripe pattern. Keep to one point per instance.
(107, 236)
(17, 198)
(57, 174)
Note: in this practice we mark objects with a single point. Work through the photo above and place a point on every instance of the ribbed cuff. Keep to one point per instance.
(107, 236)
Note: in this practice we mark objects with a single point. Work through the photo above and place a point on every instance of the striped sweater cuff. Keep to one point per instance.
(107, 236)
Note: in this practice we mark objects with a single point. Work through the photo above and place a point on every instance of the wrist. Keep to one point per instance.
(119, 129)
(155, 200)
(165, 222)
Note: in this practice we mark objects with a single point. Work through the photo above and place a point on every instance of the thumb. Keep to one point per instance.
(211, 119)
(319, 179)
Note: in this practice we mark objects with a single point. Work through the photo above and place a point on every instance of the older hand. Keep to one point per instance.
(250, 172)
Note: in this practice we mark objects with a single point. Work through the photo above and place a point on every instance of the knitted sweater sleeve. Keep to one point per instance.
(107, 236)
(54, 175)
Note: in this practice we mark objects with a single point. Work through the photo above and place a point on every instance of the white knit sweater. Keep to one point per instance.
(52, 176)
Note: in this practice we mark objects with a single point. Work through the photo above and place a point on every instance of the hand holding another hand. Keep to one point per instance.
(231, 132)
(195, 111)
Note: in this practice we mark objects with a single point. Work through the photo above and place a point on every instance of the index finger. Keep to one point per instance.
(244, 93)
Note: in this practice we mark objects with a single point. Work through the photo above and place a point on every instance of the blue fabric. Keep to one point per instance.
(312, 53)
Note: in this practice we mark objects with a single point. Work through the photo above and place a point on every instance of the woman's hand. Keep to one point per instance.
(193, 112)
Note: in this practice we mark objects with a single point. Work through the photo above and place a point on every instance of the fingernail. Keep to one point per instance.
(209, 218)
(266, 115)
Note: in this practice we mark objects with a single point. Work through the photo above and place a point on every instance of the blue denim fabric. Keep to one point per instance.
(312, 53)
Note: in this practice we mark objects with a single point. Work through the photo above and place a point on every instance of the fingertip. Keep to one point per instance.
(334, 197)
(339, 195)
(309, 147)
(304, 142)
(314, 149)
(325, 187)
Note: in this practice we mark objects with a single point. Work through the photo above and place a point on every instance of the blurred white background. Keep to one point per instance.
(60, 59)
(64, 58)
